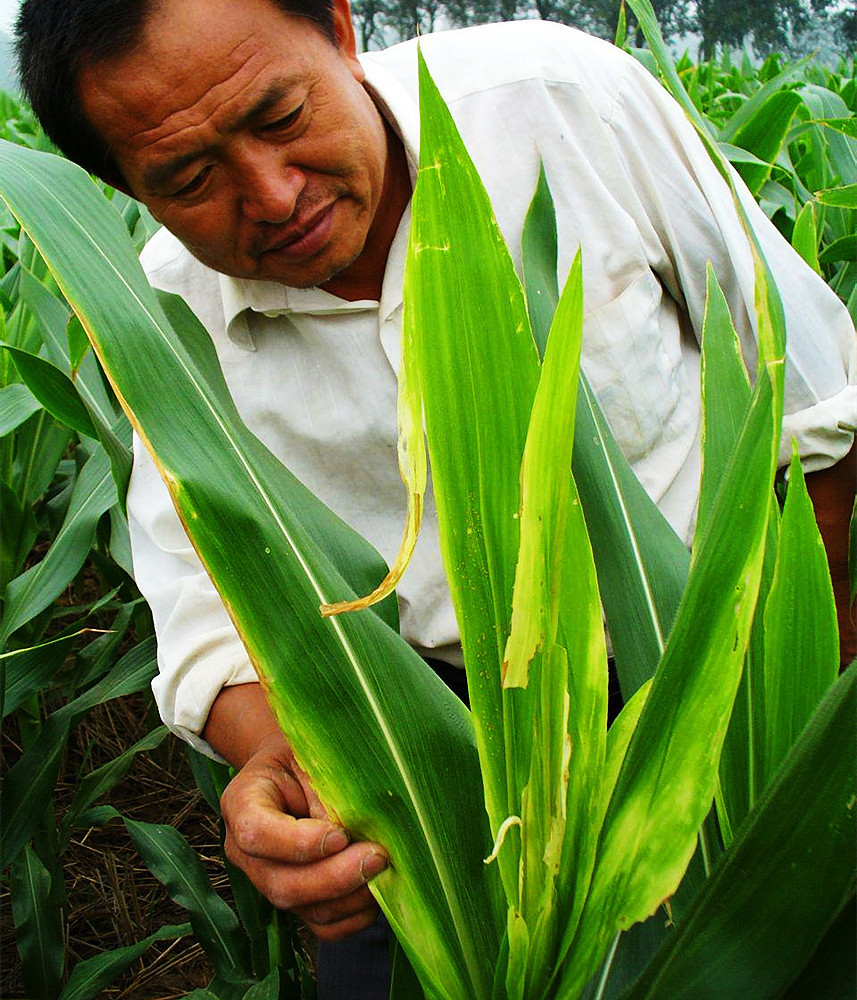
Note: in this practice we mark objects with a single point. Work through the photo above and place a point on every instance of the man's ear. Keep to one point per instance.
(346, 42)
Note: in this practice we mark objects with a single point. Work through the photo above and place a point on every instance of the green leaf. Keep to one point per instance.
(98, 782)
(91, 977)
(29, 784)
(461, 281)
(641, 563)
(844, 196)
(268, 989)
(50, 313)
(666, 782)
(801, 635)
(404, 984)
(38, 926)
(845, 248)
(805, 236)
(726, 396)
(847, 126)
(17, 403)
(20, 530)
(33, 591)
(29, 670)
(749, 108)
(78, 342)
(172, 861)
(54, 390)
(831, 973)
(559, 800)
(40, 444)
(245, 512)
(791, 868)
(539, 248)
(763, 134)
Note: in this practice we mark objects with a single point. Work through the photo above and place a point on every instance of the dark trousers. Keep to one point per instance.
(357, 968)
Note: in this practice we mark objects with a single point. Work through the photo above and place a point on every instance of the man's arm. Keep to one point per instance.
(277, 831)
(832, 492)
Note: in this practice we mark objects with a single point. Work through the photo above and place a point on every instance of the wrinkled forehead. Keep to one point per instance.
(197, 59)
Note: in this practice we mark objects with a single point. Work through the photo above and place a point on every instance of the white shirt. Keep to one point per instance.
(315, 376)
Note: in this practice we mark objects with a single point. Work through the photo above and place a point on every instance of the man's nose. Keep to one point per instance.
(269, 188)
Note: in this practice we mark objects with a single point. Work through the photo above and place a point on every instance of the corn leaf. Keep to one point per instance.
(559, 802)
(27, 671)
(726, 396)
(38, 925)
(17, 404)
(845, 248)
(764, 133)
(805, 236)
(641, 563)
(749, 108)
(847, 126)
(91, 977)
(831, 973)
(34, 590)
(98, 782)
(838, 197)
(791, 869)
(801, 635)
(170, 858)
(388, 747)
(667, 778)
(460, 278)
(54, 390)
(539, 251)
(29, 783)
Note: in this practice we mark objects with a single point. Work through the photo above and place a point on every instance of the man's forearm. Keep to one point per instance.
(832, 491)
(240, 722)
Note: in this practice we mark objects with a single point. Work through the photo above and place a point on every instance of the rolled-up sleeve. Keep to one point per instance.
(199, 650)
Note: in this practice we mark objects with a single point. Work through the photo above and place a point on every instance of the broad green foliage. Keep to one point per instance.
(526, 839)
(64, 464)
(788, 128)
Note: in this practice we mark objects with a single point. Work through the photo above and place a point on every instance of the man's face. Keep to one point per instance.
(248, 134)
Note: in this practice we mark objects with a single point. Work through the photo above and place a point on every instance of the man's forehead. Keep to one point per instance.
(236, 73)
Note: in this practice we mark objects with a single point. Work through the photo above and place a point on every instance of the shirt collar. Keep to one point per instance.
(272, 298)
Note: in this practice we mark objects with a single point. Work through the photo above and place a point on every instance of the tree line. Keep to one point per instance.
(767, 25)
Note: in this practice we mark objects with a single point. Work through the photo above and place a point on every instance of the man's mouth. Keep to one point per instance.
(303, 240)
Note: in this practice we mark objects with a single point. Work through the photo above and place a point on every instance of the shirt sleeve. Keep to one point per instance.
(199, 650)
(684, 199)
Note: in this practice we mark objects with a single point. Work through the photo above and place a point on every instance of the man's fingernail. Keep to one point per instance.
(334, 841)
(372, 865)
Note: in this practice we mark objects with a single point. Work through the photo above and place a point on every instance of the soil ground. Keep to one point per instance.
(113, 899)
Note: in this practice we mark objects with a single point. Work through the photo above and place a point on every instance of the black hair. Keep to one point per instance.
(55, 39)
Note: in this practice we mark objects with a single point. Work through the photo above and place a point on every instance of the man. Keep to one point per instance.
(281, 166)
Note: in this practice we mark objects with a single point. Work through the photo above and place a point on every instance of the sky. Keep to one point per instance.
(8, 10)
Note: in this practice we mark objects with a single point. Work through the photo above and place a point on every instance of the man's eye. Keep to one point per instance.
(193, 185)
(286, 122)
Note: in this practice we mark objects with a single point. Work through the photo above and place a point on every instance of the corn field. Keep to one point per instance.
(78, 649)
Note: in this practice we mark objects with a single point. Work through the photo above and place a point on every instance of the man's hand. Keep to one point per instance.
(276, 829)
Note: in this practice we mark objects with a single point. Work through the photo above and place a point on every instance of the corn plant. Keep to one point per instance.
(525, 840)
(789, 131)
(65, 460)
